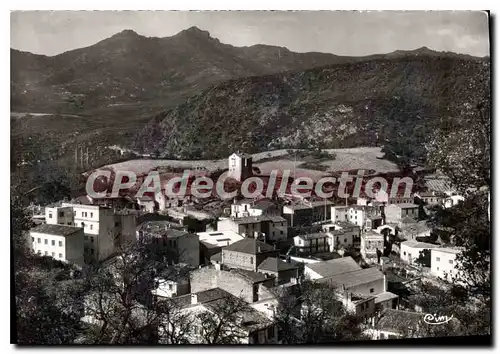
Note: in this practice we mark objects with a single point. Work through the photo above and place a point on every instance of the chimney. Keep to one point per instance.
(194, 299)
(217, 266)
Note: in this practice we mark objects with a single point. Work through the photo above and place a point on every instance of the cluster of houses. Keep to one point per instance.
(258, 246)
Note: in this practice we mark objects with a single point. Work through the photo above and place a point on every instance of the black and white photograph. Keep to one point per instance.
(250, 178)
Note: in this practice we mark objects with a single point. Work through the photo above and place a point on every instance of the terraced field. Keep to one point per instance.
(367, 158)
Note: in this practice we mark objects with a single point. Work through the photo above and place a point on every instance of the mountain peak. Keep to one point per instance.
(195, 31)
(423, 49)
(127, 33)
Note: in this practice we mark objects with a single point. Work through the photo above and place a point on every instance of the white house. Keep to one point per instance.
(251, 207)
(273, 228)
(410, 250)
(355, 214)
(395, 212)
(171, 288)
(452, 200)
(443, 262)
(371, 243)
(219, 238)
(312, 243)
(343, 234)
(104, 229)
(61, 242)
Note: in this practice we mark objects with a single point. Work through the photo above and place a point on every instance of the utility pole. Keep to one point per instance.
(87, 161)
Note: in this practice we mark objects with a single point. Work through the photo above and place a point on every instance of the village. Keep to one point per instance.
(374, 253)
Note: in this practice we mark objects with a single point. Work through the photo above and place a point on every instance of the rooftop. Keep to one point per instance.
(310, 205)
(273, 264)
(385, 296)
(254, 277)
(354, 278)
(219, 238)
(406, 205)
(249, 245)
(312, 236)
(59, 230)
(454, 250)
(416, 244)
(334, 266)
(254, 219)
(242, 155)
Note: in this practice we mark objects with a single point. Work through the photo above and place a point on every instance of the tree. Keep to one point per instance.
(424, 258)
(223, 322)
(175, 325)
(461, 146)
(311, 314)
(119, 300)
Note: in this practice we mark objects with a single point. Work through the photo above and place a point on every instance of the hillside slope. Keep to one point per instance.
(394, 102)
(130, 68)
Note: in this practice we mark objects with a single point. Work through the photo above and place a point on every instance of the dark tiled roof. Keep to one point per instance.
(254, 277)
(273, 264)
(249, 245)
(354, 278)
(60, 230)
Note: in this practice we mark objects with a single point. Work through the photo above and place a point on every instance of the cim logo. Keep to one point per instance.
(435, 320)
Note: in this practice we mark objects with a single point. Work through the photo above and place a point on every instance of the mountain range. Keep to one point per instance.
(190, 95)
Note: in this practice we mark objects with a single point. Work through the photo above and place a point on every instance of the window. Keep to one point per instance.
(39, 252)
(60, 243)
(32, 239)
(438, 259)
(91, 215)
(404, 253)
(281, 232)
(83, 214)
(372, 290)
(273, 233)
(50, 215)
(251, 260)
(91, 251)
(451, 261)
(53, 243)
(60, 255)
(437, 268)
(85, 238)
(345, 240)
(45, 241)
(69, 224)
(46, 253)
(270, 332)
(92, 239)
(53, 254)
(39, 241)
(61, 214)
(83, 224)
(170, 287)
(91, 226)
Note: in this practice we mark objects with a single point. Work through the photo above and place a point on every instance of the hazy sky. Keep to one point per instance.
(338, 32)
